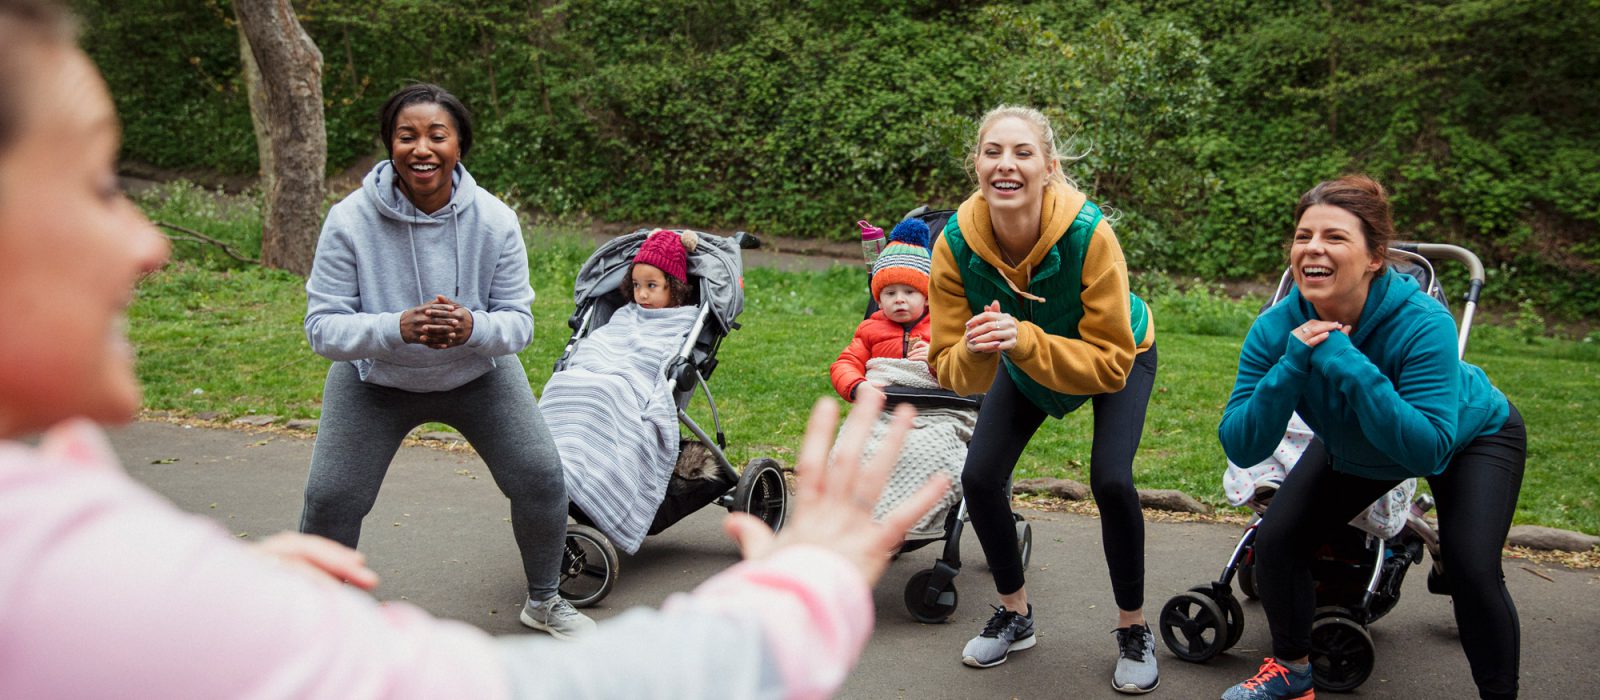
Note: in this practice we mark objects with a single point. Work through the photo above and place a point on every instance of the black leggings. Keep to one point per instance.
(1476, 495)
(1006, 422)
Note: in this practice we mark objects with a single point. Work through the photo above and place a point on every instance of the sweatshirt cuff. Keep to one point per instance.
(389, 329)
(813, 606)
(480, 329)
(1297, 355)
(1027, 342)
(1322, 356)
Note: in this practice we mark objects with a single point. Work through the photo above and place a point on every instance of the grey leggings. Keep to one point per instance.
(363, 424)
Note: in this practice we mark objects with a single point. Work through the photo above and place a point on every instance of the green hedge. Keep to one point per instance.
(1198, 123)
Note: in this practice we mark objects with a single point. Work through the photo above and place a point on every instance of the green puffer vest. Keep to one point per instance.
(1059, 279)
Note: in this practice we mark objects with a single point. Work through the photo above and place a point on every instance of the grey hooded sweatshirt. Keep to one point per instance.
(378, 256)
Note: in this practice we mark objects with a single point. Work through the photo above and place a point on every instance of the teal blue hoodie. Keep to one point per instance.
(1393, 402)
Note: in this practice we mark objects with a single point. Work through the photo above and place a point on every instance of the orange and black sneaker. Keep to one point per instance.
(1275, 681)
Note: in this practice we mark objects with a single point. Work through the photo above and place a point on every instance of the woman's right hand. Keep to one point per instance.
(1313, 332)
(430, 324)
(834, 501)
(991, 331)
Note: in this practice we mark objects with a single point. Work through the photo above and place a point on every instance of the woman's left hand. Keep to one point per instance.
(1313, 332)
(992, 331)
(457, 317)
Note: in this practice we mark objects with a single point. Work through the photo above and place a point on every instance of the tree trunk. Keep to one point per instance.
(291, 79)
(258, 111)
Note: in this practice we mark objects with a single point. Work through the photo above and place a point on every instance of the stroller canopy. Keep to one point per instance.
(715, 263)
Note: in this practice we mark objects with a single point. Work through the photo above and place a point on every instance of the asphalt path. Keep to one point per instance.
(440, 538)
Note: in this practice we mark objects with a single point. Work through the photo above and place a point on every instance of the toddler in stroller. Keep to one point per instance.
(652, 310)
(888, 354)
(1359, 570)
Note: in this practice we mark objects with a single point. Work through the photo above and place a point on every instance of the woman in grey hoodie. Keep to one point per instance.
(419, 294)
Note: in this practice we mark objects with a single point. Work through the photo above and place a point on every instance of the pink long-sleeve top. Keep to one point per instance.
(107, 590)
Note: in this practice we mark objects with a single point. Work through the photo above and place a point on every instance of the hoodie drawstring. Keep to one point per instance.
(455, 228)
(411, 236)
(416, 268)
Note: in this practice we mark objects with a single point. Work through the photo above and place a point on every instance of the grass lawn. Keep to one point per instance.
(230, 342)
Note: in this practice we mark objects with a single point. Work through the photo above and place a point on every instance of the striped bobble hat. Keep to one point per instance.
(905, 260)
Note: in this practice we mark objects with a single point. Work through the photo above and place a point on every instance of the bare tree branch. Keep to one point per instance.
(192, 235)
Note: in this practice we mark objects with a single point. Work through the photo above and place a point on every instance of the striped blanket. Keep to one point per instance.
(614, 421)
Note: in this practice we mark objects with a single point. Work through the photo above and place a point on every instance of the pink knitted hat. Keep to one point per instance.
(667, 251)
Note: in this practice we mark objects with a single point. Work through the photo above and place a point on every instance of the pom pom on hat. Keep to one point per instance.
(906, 260)
(911, 230)
(668, 251)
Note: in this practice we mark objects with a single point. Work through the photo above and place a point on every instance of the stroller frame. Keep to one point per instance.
(1206, 620)
(590, 562)
(930, 594)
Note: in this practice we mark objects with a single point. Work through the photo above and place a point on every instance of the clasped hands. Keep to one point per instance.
(991, 331)
(439, 324)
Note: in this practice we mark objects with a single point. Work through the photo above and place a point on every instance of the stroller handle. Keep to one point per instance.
(1445, 251)
(746, 241)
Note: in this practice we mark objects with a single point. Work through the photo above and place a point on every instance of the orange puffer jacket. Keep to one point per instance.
(875, 337)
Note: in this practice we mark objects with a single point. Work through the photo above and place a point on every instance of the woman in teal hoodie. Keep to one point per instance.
(1369, 360)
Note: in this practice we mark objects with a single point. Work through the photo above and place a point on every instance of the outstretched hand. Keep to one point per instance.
(834, 502)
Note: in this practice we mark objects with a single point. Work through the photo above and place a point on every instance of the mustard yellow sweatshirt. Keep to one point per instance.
(1095, 363)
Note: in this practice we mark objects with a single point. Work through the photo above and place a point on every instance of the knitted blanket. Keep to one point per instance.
(937, 443)
(614, 421)
(1384, 518)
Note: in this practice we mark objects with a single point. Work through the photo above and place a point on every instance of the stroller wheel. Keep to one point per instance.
(1342, 654)
(1247, 580)
(1024, 540)
(930, 606)
(589, 566)
(761, 492)
(1193, 627)
(1232, 612)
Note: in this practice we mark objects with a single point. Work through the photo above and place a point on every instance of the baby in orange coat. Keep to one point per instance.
(899, 329)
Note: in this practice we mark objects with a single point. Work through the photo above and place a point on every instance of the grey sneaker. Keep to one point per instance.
(1005, 632)
(557, 617)
(1136, 661)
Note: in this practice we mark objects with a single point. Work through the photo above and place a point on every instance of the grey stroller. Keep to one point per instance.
(589, 564)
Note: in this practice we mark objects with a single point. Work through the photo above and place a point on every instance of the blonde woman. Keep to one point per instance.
(1030, 304)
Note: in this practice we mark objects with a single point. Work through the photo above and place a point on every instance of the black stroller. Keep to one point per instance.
(1358, 575)
(930, 594)
(589, 563)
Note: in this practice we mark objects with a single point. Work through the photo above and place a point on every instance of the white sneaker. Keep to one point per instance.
(557, 617)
